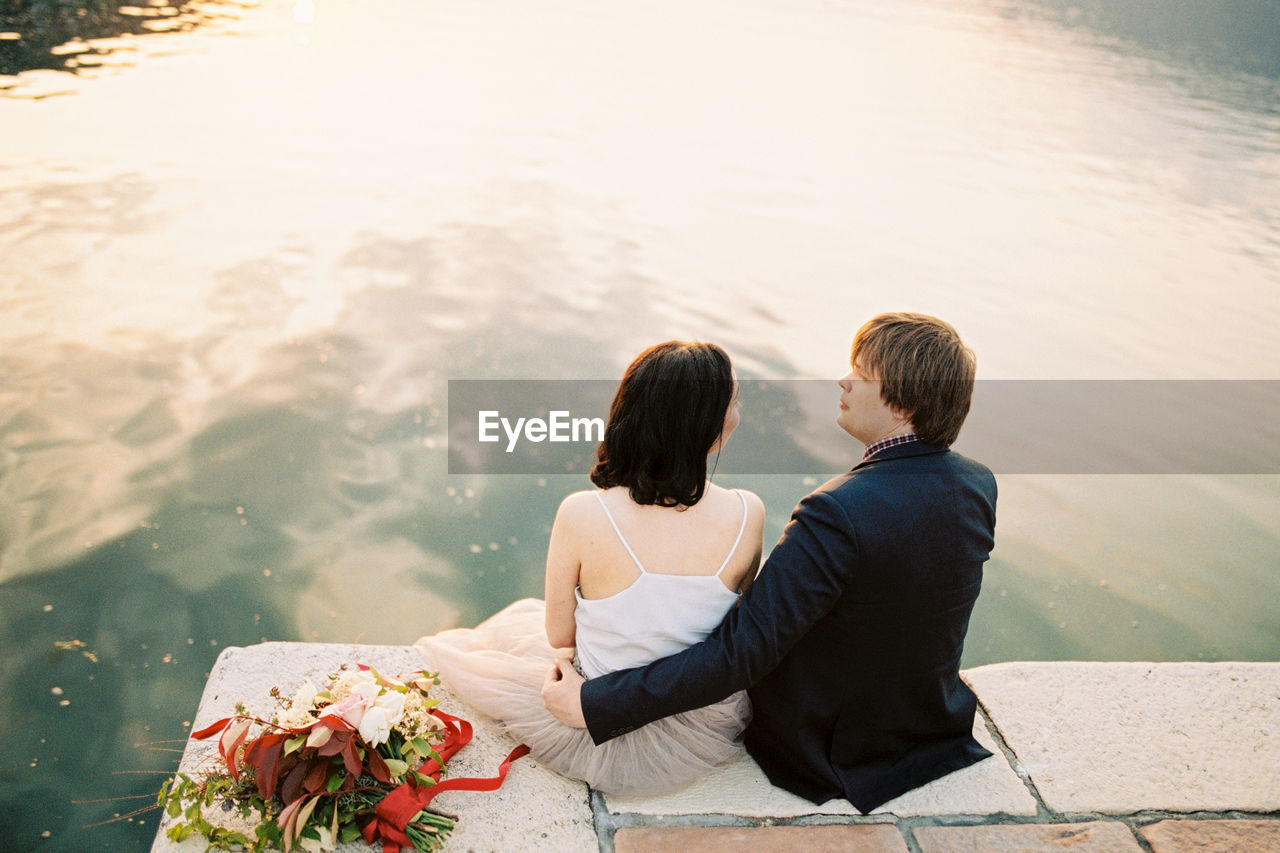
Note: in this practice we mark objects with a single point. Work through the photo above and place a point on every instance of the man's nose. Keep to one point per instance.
(845, 382)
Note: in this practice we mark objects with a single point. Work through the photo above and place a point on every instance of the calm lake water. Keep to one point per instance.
(241, 262)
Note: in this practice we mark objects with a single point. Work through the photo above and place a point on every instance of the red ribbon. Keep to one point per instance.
(399, 807)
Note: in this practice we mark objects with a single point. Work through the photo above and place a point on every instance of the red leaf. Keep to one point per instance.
(333, 722)
(212, 729)
(335, 744)
(253, 755)
(255, 749)
(378, 768)
(350, 758)
(317, 775)
(286, 820)
(264, 754)
(291, 787)
(233, 736)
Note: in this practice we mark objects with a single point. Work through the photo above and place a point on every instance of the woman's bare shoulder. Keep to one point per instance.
(578, 507)
(755, 506)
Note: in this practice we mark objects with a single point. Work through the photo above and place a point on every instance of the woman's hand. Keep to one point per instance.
(562, 694)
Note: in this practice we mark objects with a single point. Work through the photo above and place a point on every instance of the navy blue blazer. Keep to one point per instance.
(849, 639)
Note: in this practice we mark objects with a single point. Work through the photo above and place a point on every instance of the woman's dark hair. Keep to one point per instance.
(668, 411)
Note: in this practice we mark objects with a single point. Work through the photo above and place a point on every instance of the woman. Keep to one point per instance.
(640, 568)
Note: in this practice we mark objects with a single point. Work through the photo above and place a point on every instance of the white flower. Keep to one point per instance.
(347, 682)
(293, 718)
(417, 720)
(305, 696)
(392, 702)
(367, 690)
(375, 727)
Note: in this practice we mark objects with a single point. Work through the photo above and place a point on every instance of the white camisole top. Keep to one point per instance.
(657, 615)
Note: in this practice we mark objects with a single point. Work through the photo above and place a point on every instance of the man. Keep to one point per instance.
(850, 638)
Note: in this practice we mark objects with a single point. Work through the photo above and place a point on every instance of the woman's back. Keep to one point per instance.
(618, 567)
(658, 612)
(617, 536)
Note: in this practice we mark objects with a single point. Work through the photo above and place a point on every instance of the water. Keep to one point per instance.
(241, 262)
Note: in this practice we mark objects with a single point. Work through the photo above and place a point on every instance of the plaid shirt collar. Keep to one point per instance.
(891, 441)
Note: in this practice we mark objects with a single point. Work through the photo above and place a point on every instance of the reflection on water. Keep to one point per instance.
(228, 315)
(86, 35)
(1231, 36)
(1131, 568)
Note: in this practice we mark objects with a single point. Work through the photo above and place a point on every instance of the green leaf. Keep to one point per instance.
(293, 744)
(396, 767)
(335, 782)
(349, 832)
(268, 832)
(435, 756)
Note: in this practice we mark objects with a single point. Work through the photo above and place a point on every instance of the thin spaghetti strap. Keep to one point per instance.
(621, 538)
(742, 528)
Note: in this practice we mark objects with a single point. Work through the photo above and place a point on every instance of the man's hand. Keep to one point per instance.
(562, 694)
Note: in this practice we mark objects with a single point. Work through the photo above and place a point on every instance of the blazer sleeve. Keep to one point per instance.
(799, 584)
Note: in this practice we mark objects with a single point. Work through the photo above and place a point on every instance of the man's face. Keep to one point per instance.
(863, 412)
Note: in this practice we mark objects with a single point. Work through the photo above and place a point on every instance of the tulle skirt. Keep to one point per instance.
(498, 668)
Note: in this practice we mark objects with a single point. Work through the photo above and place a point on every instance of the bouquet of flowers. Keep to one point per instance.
(361, 756)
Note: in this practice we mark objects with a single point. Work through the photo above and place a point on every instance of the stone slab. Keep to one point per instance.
(761, 839)
(1093, 837)
(535, 809)
(1213, 836)
(741, 788)
(1118, 738)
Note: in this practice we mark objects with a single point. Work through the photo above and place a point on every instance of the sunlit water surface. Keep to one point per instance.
(237, 275)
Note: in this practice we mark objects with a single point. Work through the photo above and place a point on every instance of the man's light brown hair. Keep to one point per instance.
(924, 369)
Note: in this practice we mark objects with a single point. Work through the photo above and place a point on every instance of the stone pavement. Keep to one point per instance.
(1089, 757)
